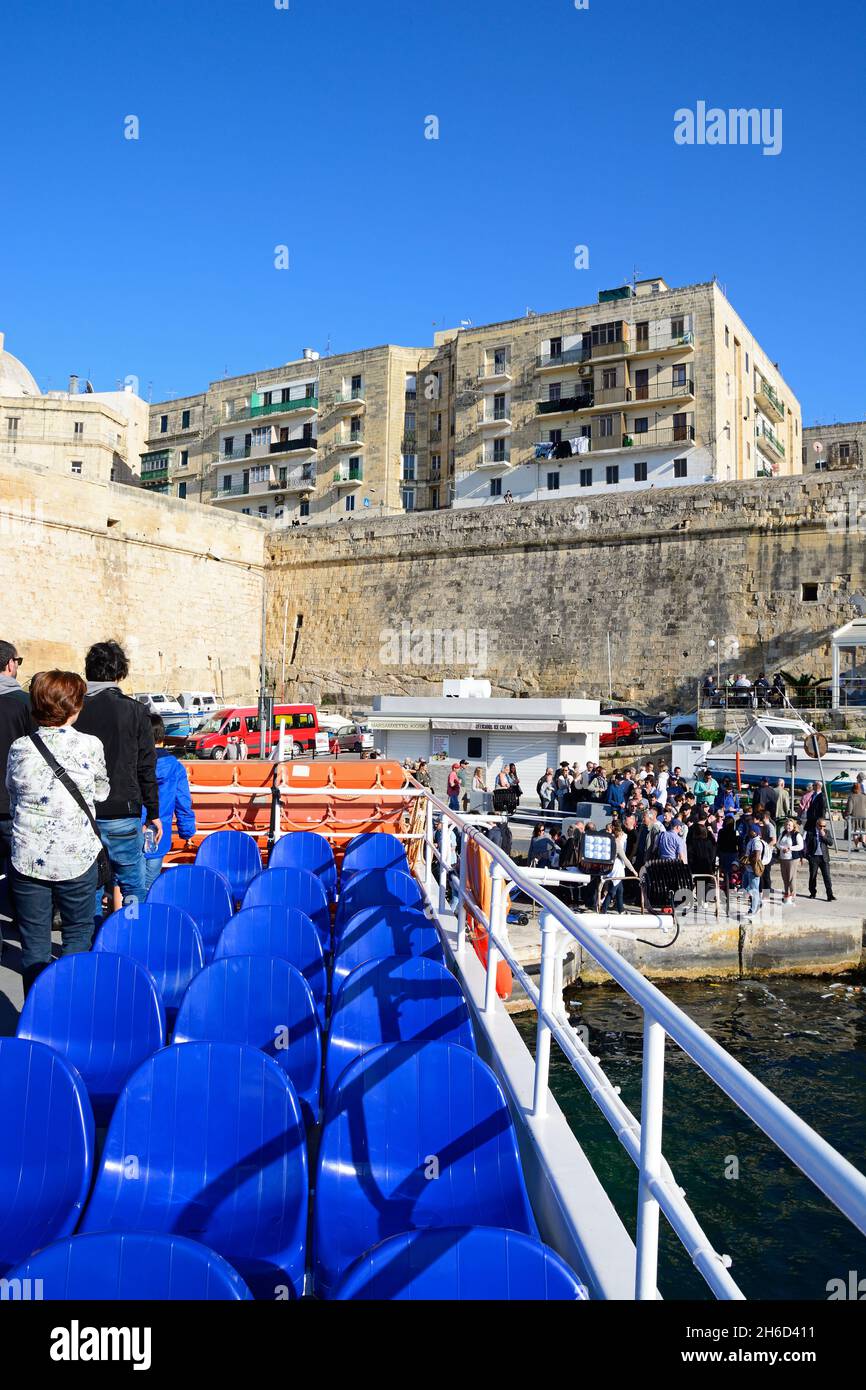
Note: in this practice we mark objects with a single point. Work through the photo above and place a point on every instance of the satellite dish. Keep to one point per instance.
(88, 386)
(818, 447)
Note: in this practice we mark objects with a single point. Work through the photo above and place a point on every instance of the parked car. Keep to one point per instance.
(623, 731)
(354, 738)
(646, 722)
(241, 725)
(678, 725)
(198, 701)
(158, 703)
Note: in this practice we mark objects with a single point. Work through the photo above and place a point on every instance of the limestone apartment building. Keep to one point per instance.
(649, 387)
(91, 434)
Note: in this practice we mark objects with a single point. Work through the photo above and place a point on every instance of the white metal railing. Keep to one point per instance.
(658, 1191)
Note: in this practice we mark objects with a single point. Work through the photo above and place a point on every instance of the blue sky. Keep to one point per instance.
(305, 127)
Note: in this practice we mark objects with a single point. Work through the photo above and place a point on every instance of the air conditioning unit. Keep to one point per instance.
(584, 371)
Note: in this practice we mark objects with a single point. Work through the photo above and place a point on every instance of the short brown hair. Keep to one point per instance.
(55, 696)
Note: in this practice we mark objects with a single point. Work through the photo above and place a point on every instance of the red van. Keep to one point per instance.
(241, 725)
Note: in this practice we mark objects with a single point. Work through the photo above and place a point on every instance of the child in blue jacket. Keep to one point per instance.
(175, 802)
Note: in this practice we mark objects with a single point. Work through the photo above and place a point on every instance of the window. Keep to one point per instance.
(78, 428)
(355, 427)
(612, 473)
(499, 454)
(163, 424)
(227, 482)
(411, 385)
(285, 395)
(12, 423)
(260, 473)
(409, 464)
(679, 374)
(586, 477)
(678, 327)
(228, 446)
(681, 429)
(263, 511)
(556, 347)
(554, 391)
(245, 511)
(499, 412)
(554, 436)
(181, 488)
(435, 464)
(810, 593)
(608, 378)
(356, 387)
(603, 333)
(727, 337)
(553, 482)
(605, 426)
(747, 364)
(184, 420)
(252, 723)
(408, 499)
(681, 468)
(184, 457)
(640, 472)
(844, 452)
(434, 497)
(261, 436)
(305, 508)
(641, 424)
(500, 361)
(495, 487)
(642, 333)
(267, 398)
(473, 747)
(76, 465)
(409, 422)
(350, 503)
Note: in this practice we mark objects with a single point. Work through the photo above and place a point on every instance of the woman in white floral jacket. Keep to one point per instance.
(54, 848)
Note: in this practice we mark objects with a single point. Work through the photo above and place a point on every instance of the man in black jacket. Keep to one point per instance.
(123, 727)
(15, 722)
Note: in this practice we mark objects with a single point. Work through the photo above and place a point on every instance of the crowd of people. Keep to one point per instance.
(88, 799)
(717, 832)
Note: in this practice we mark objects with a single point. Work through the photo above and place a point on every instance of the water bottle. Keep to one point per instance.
(150, 839)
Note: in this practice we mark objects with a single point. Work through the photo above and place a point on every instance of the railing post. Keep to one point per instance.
(549, 933)
(444, 832)
(428, 844)
(461, 898)
(497, 917)
(651, 1114)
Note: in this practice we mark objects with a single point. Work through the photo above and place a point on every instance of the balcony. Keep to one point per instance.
(349, 475)
(238, 452)
(494, 371)
(294, 480)
(769, 401)
(244, 488)
(566, 405)
(489, 421)
(616, 347)
(767, 442)
(306, 405)
(664, 342)
(409, 444)
(489, 459)
(659, 437)
(352, 399)
(553, 361)
(349, 441)
(291, 446)
(435, 436)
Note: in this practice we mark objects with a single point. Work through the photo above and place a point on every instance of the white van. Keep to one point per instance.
(158, 703)
(198, 701)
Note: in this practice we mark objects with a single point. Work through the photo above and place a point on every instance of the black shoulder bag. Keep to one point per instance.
(105, 875)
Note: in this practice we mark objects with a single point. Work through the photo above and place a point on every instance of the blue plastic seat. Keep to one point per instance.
(233, 854)
(103, 1013)
(207, 1140)
(201, 892)
(265, 1002)
(133, 1266)
(462, 1264)
(163, 938)
(279, 931)
(293, 888)
(377, 932)
(376, 849)
(304, 849)
(416, 1136)
(399, 999)
(376, 888)
(46, 1148)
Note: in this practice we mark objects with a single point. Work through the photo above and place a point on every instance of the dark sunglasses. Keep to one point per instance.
(19, 659)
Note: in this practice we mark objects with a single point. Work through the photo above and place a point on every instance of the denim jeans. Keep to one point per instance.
(35, 900)
(613, 893)
(152, 871)
(752, 885)
(124, 839)
(6, 901)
